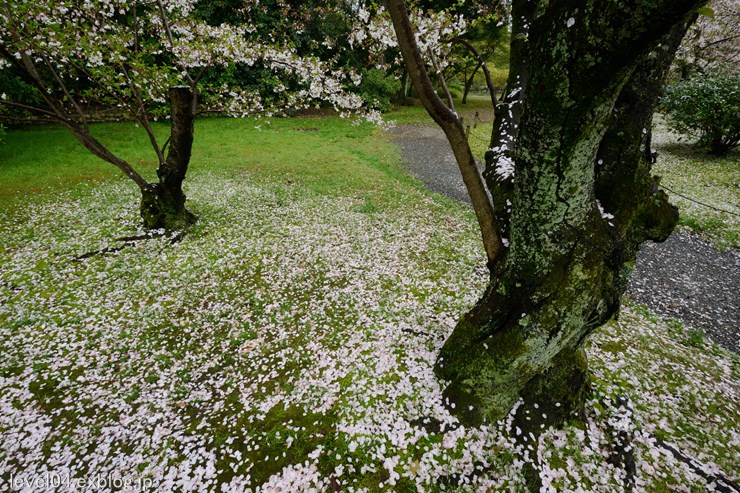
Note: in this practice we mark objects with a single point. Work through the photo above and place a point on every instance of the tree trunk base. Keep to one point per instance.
(556, 396)
(550, 399)
(161, 210)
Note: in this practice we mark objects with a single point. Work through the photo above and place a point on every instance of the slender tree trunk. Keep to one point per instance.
(163, 204)
(565, 270)
(449, 122)
(469, 83)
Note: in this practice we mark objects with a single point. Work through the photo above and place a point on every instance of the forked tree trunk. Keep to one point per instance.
(589, 96)
(163, 203)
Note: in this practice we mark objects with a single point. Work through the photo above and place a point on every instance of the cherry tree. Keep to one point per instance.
(712, 42)
(147, 58)
(572, 195)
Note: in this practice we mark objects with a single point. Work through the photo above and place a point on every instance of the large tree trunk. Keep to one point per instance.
(163, 203)
(593, 77)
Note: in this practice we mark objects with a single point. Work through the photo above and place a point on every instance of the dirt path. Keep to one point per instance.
(683, 278)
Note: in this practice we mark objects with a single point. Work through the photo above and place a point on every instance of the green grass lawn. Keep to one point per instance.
(287, 342)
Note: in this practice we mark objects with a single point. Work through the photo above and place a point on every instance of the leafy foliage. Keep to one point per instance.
(15, 89)
(129, 55)
(708, 105)
(378, 87)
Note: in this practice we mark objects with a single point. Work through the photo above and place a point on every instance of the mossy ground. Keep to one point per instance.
(289, 339)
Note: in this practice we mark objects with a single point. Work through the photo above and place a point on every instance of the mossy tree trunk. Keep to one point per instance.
(578, 159)
(163, 203)
(589, 78)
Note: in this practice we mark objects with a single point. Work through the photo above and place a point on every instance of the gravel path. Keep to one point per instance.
(683, 278)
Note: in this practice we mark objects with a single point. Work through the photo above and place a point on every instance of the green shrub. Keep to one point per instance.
(13, 88)
(377, 88)
(707, 105)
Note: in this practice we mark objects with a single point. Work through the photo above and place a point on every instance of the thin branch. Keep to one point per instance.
(199, 76)
(730, 38)
(29, 72)
(171, 39)
(439, 112)
(166, 143)
(442, 82)
(63, 86)
(104, 88)
(143, 116)
(83, 135)
(30, 108)
(139, 113)
(136, 28)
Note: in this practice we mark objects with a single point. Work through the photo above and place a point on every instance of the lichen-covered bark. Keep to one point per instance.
(163, 203)
(565, 270)
(624, 183)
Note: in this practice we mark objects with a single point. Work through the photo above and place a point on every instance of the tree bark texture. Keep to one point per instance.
(163, 203)
(592, 77)
(508, 114)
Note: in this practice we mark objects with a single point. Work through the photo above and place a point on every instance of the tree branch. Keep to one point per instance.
(31, 108)
(729, 38)
(29, 72)
(143, 116)
(135, 28)
(63, 87)
(442, 82)
(450, 123)
(171, 39)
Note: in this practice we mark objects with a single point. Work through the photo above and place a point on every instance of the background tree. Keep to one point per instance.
(148, 58)
(313, 28)
(578, 198)
(712, 44)
(473, 49)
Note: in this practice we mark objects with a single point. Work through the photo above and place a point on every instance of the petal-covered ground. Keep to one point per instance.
(287, 344)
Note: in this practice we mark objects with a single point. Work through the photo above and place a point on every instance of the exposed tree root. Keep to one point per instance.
(102, 251)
